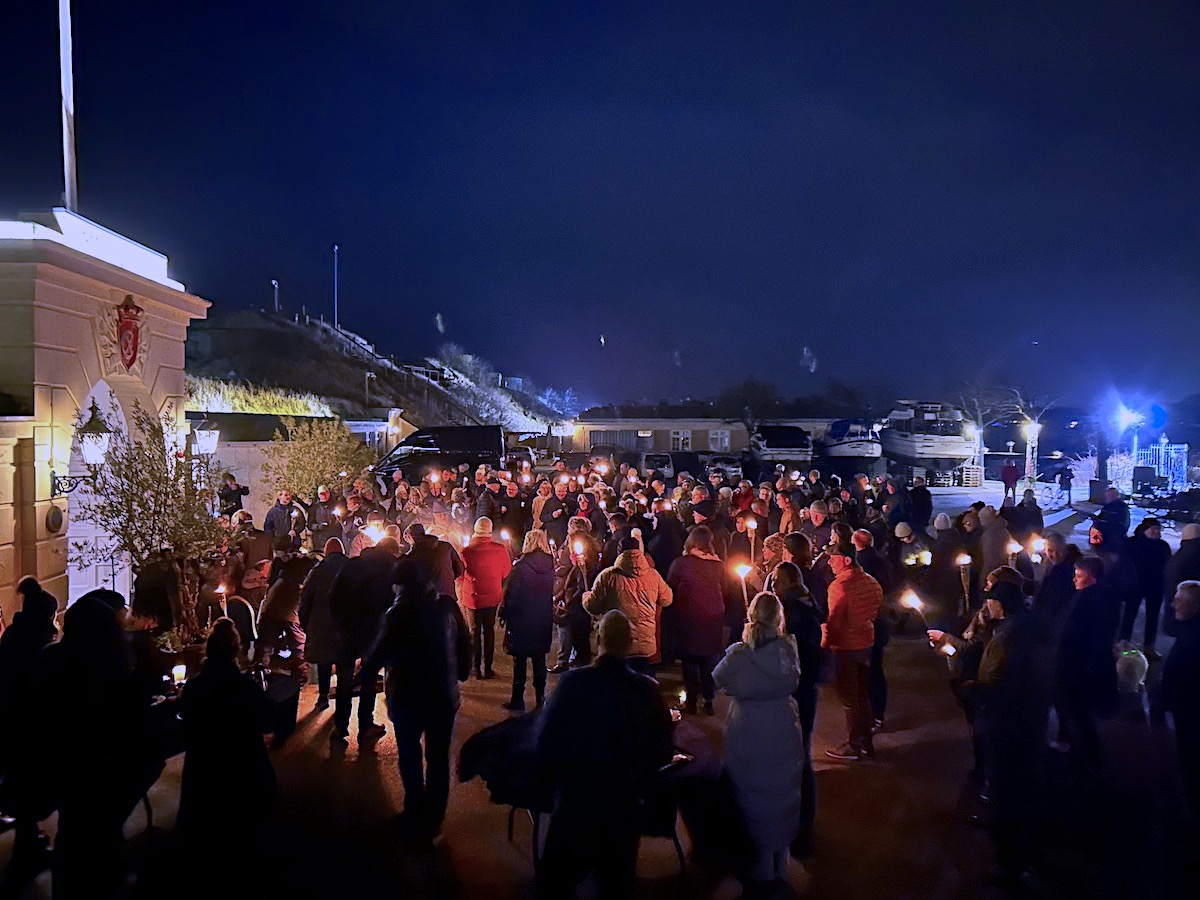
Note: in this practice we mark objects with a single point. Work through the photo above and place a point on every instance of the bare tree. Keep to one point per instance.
(1031, 405)
(985, 405)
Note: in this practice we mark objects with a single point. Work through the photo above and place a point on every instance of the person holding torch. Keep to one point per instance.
(855, 600)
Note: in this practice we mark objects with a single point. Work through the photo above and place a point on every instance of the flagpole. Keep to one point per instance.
(71, 194)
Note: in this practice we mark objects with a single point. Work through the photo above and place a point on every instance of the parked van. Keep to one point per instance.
(431, 449)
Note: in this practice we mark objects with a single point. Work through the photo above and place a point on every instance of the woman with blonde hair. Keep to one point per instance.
(764, 746)
(527, 614)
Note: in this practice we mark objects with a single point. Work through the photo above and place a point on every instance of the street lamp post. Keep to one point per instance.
(335, 287)
(368, 377)
(1032, 430)
(275, 287)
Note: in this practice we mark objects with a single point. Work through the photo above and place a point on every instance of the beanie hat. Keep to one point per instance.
(942, 522)
(579, 523)
(483, 526)
(903, 530)
(704, 509)
(1011, 597)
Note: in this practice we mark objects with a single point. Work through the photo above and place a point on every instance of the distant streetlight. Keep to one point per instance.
(335, 287)
(1032, 430)
(368, 377)
(275, 286)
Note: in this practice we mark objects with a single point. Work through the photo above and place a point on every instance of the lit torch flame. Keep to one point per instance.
(963, 559)
(1038, 544)
(743, 570)
(752, 524)
(926, 557)
(910, 600)
(1013, 548)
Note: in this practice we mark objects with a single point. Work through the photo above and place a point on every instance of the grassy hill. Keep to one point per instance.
(293, 355)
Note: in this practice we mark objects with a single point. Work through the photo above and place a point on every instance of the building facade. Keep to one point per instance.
(85, 315)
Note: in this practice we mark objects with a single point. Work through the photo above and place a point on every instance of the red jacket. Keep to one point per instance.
(855, 599)
(487, 564)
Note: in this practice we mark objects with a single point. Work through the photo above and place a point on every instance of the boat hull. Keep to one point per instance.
(942, 454)
(851, 449)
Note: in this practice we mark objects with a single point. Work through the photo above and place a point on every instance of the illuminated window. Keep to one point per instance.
(681, 441)
(718, 440)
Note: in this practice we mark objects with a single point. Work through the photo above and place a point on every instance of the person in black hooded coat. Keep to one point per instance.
(527, 612)
(228, 782)
(88, 698)
(21, 644)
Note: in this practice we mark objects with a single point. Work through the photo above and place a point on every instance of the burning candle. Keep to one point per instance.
(434, 477)
(1013, 548)
(1036, 559)
(579, 548)
(525, 478)
(926, 557)
(1038, 544)
(220, 589)
(505, 535)
(179, 674)
(752, 523)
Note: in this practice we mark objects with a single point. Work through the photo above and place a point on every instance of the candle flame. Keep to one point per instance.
(434, 478)
(579, 548)
(179, 674)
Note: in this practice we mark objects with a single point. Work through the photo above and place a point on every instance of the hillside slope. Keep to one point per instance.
(310, 356)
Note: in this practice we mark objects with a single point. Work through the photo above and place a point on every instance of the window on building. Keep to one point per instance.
(718, 440)
(681, 441)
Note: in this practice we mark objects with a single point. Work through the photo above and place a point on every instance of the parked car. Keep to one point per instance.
(658, 462)
(731, 466)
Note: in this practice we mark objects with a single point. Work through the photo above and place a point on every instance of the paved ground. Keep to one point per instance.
(892, 827)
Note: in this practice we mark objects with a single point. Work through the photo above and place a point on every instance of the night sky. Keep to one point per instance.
(919, 194)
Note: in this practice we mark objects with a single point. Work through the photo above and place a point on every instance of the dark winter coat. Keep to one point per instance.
(280, 523)
(1180, 676)
(1053, 603)
(316, 612)
(602, 738)
(426, 647)
(226, 766)
(488, 504)
(698, 584)
(324, 522)
(665, 544)
(362, 593)
(231, 498)
(438, 562)
(1087, 671)
(1183, 566)
(1149, 557)
(529, 605)
(1113, 520)
(21, 645)
(1014, 681)
(922, 506)
(804, 620)
(556, 525)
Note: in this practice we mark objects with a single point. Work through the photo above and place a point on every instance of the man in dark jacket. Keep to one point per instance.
(324, 518)
(1087, 674)
(556, 512)
(601, 741)
(1180, 694)
(1149, 554)
(362, 593)
(922, 504)
(1113, 517)
(804, 619)
(878, 567)
(488, 503)
(1012, 698)
(284, 523)
(1183, 566)
(21, 644)
(230, 493)
(437, 560)
(665, 544)
(316, 618)
(514, 513)
(426, 648)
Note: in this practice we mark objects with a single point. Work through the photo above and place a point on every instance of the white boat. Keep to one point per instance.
(850, 439)
(933, 436)
(781, 444)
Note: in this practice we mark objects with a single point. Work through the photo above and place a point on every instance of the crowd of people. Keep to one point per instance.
(755, 590)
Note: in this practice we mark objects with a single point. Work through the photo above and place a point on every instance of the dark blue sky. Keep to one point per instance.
(916, 191)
